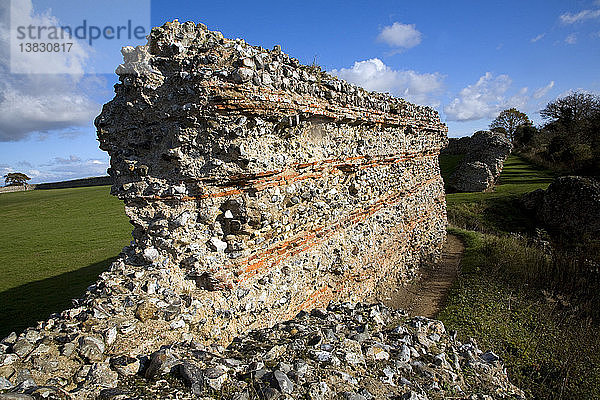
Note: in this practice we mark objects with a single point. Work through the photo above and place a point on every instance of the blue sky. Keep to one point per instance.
(467, 59)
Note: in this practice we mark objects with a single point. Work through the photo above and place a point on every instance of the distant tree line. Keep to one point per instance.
(568, 141)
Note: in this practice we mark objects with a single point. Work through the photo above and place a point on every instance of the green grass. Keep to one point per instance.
(550, 351)
(55, 243)
(498, 211)
(502, 297)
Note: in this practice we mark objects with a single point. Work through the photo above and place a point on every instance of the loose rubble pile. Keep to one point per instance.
(485, 153)
(347, 351)
(570, 207)
(257, 188)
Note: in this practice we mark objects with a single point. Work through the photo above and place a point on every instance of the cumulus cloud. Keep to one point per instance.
(485, 99)
(569, 18)
(538, 37)
(571, 39)
(399, 35)
(541, 92)
(71, 159)
(374, 75)
(490, 95)
(32, 102)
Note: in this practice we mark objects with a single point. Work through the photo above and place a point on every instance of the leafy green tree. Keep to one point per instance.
(523, 135)
(16, 178)
(510, 120)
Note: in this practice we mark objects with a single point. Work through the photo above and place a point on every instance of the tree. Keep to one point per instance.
(16, 178)
(510, 120)
(575, 107)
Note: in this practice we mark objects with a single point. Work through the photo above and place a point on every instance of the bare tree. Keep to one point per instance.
(575, 107)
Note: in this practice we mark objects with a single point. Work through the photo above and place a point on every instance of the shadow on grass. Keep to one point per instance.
(24, 305)
(526, 181)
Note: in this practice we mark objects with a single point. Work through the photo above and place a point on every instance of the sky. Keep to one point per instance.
(469, 60)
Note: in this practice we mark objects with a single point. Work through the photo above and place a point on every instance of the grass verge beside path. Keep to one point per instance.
(549, 350)
(55, 243)
(506, 294)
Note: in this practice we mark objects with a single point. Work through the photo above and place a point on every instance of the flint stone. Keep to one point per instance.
(15, 396)
(161, 363)
(5, 383)
(8, 359)
(217, 244)
(10, 339)
(192, 376)
(353, 396)
(22, 347)
(489, 357)
(101, 375)
(91, 348)
(150, 254)
(125, 365)
(242, 75)
(283, 382)
(146, 311)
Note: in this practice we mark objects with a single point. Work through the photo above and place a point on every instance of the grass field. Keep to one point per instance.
(504, 297)
(497, 211)
(54, 245)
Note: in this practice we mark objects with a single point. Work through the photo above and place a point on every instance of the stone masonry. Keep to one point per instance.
(257, 188)
(484, 156)
(246, 173)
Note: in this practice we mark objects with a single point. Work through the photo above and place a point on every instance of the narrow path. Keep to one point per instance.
(426, 295)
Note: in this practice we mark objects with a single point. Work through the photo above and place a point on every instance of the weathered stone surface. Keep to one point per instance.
(315, 189)
(473, 177)
(570, 207)
(91, 348)
(289, 194)
(484, 155)
(295, 371)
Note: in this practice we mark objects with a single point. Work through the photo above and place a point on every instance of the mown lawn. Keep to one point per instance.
(498, 211)
(508, 294)
(54, 244)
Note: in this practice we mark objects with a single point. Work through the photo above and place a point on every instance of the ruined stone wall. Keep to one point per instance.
(245, 171)
(257, 188)
(482, 162)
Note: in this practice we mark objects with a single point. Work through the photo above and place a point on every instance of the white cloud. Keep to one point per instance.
(569, 18)
(571, 38)
(485, 99)
(374, 75)
(400, 35)
(41, 102)
(541, 92)
(60, 169)
(538, 37)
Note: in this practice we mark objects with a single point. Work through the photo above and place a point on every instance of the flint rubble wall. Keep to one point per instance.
(257, 187)
(482, 163)
(243, 171)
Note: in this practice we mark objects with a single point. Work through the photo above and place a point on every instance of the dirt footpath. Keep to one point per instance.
(426, 295)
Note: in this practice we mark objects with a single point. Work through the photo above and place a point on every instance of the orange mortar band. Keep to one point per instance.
(288, 246)
(240, 95)
(285, 177)
(322, 294)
